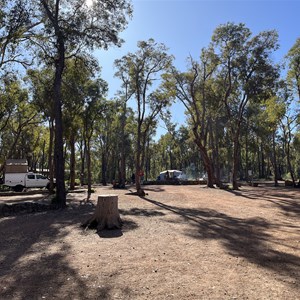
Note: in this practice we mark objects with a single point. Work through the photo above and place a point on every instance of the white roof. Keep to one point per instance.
(170, 171)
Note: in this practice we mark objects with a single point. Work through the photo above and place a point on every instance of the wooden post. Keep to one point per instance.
(106, 214)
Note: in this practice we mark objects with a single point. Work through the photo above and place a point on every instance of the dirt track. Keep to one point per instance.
(179, 242)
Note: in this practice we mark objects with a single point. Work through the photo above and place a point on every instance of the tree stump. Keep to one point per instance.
(106, 215)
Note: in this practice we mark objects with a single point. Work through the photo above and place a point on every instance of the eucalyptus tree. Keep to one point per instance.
(186, 147)
(40, 154)
(293, 58)
(94, 106)
(145, 67)
(174, 146)
(166, 151)
(105, 140)
(274, 113)
(296, 145)
(171, 142)
(9, 91)
(288, 125)
(40, 83)
(23, 117)
(256, 143)
(124, 96)
(66, 28)
(123, 140)
(16, 27)
(246, 74)
(194, 89)
(76, 90)
(293, 76)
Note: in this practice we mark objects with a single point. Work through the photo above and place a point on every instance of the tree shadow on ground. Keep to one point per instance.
(288, 203)
(141, 212)
(110, 233)
(153, 188)
(247, 238)
(35, 255)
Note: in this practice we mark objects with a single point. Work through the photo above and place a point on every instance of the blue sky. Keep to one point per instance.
(186, 26)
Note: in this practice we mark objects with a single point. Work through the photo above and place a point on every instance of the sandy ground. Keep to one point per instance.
(179, 242)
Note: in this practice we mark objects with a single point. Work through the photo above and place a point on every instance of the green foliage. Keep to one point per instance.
(19, 124)
(232, 96)
(139, 72)
(293, 58)
(15, 23)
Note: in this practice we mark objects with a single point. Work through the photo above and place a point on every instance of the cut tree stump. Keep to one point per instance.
(106, 215)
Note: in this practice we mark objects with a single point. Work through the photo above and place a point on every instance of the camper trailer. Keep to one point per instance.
(171, 175)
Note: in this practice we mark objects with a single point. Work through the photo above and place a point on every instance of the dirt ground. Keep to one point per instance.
(179, 242)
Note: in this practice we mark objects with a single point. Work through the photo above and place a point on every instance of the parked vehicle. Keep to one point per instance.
(17, 177)
(19, 181)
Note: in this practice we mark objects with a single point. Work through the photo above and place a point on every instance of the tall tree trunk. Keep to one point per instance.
(50, 155)
(214, 141)
(82, 158)
(43, 157)
(206, 161)
(236, 152)
(138, 167)
(275, 167)
(143, 148)
(72, 161)
(235, 165)
(263, 165)
(88, 164)
(147, 160)
(288, 160)
(104, 168)
(59, 145)
(247, 154)
(171, 160)
(258, 158)
(122, 177)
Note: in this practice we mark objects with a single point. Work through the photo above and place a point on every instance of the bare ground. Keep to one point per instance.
(179, 242)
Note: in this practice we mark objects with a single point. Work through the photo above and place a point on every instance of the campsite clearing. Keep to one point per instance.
(178, 242)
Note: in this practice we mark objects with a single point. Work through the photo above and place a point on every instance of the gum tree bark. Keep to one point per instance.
(106, 215)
